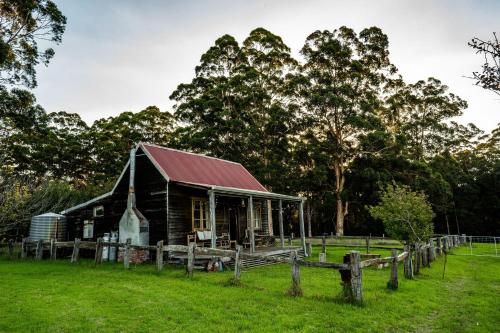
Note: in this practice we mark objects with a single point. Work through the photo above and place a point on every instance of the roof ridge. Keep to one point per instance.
(191, 153)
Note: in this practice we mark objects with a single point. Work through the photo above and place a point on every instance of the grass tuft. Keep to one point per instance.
(295, 291)
(234, 282)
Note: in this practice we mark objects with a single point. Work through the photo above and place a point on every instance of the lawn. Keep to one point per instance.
(62, 297)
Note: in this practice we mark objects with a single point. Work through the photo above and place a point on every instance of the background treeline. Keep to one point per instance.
(336, 125)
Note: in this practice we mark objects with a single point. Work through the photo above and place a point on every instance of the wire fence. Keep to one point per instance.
(481, 246)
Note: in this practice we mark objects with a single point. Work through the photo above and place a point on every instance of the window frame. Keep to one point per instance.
(203, 218)
(95, 209)
(88, 229)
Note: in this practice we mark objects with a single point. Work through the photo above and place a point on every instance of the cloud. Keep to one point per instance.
(126, 55)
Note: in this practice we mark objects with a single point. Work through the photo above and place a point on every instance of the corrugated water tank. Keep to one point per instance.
(48, 226)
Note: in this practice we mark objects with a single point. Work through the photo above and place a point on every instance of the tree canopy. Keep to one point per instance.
(23, 23)
(337, 125)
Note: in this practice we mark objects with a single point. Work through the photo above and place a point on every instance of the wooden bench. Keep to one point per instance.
(223, 241)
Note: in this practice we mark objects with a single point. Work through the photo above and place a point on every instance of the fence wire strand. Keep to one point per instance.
(481, 246)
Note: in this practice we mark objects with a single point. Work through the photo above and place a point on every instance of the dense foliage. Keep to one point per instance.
(336, 126)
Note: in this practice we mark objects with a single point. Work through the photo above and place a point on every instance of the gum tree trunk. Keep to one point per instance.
(341, 205)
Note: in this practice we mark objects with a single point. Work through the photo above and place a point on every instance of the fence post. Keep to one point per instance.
(417, 259)
(11, 247)
(309, 249)
(53, 249)
(496, 250)
(432, 250)
(39, 249)
(126, 253)
(356, 276)
(367, 241)
(323, 244)
(352, 278)
(425, 259)
(190, 264)
(24, 250)
(407, 264)
(237, 265)
(98, 251)
(428, 254)
(393, 281)
(289, 241)
(445, 243)
(439, 250)
(76, 250)
(295, 289)
(159, 256)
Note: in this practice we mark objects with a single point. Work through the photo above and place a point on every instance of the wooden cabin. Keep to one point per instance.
(188, 197)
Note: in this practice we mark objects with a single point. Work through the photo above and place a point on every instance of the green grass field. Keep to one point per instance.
(62, 297)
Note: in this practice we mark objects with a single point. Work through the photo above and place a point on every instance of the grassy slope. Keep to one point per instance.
(60, 297)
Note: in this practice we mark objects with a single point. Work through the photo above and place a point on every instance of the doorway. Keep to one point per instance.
(233, 224)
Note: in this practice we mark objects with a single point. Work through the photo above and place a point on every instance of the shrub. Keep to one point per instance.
(406, 215)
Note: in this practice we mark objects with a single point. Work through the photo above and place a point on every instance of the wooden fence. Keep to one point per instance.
(414, 258)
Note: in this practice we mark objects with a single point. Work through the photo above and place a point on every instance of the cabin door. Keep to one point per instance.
(233, 224)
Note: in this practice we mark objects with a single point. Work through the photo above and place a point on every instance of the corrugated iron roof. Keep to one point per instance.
(188, 167)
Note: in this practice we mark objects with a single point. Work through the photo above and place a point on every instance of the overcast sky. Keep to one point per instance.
(126, 55)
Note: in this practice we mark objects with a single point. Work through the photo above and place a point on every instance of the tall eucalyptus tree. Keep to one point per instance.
(240, 105)
(344, 73)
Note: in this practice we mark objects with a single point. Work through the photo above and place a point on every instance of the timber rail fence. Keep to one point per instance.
(414, 258)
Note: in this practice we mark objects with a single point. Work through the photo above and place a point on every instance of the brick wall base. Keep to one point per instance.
(136, 256)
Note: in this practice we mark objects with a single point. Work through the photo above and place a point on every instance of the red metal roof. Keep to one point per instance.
(200, 169)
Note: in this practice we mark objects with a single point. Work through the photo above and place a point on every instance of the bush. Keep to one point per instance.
(22, 198)
(406, 215)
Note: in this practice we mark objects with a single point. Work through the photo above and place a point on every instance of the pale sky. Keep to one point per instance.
(126, 55)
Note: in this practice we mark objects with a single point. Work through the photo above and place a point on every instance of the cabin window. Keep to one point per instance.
(88, 229)
(200, 214)
(98, 211)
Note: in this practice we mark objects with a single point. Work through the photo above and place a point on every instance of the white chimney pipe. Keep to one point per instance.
(131, 187)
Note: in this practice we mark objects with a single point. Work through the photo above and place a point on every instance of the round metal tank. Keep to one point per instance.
(48, 226)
